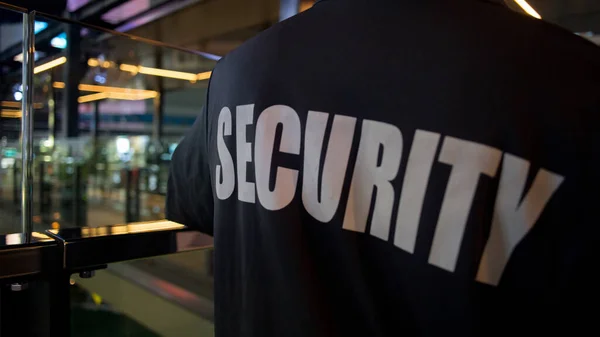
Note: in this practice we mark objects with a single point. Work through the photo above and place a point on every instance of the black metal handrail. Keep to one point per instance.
(12, 7)
(43, 264)
(22, 257)
(85, 248)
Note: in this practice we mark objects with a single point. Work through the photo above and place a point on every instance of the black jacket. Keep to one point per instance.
(399, 168)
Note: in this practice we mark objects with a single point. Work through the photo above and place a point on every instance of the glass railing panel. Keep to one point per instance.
(141, 279)
(11, 96)
(165, 296)
(102, 156)
(111, 112)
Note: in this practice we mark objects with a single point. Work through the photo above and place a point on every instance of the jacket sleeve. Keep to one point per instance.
(189, 193)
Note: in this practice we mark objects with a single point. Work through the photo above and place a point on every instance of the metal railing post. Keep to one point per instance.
(27, 125)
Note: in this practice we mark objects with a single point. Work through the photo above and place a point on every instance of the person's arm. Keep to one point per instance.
(189, 193)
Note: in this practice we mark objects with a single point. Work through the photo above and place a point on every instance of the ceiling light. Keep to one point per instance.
(112, 95)
(204, 76)
(17, 105)
(38, 26)
(116, 95)
(11, 113)
(123, 145)
(102, 88)
(106, 92)
(92, 62)
(528, 9)
(134, 70)
(129, 68)
(129, 96)
(36, 56)
(8, 104)
(92, 97)
(59, 41)
(50, 65)
(180, 75)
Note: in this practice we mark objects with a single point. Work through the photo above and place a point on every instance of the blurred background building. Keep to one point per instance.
(116, 85)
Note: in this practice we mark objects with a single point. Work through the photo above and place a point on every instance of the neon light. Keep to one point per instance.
(528, 9)
(38, 26)
(59, 41)
(50, 65)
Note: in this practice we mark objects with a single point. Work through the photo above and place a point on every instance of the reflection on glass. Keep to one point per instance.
(132, 228)
(11, 95)
(123, 105)
(177, 288)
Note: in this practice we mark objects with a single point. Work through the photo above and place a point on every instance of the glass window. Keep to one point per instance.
(112, 109)
(11, 96)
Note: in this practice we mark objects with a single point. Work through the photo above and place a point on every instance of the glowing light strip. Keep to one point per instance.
(204, 76)
(153, 226)
(180, 75)
(113, 95)
(92, 97)
(96, 63)
(130, 96)
(102, 88)
(9, 104)
(134, 70)
(528, 9)
(129, 68)
(49, 65)
(167, 73)
(11, 113)
(40, 236)
(104, 92)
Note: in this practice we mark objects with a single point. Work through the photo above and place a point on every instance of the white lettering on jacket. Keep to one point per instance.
(337, 153)
(243, 116)
(373, 192)
(225, 179)
(285, 179)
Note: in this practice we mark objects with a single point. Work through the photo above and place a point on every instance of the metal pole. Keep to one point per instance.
(157, 118)
(72, 74)
(16, 199)
(52, 114)
(77, 196)
(136, 195)
(128, 176)
(41, 192)
(27, 126)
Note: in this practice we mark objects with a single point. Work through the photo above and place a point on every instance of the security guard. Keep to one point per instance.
(399, 168)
